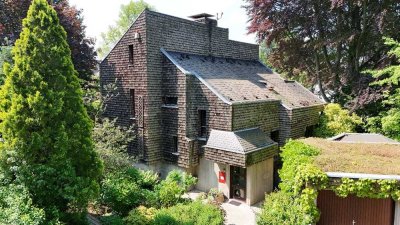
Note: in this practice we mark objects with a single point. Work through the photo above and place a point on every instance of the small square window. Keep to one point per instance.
(170, 100)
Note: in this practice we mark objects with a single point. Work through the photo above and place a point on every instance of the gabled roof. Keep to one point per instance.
(236, 80)
(242, 141)
(363, 138)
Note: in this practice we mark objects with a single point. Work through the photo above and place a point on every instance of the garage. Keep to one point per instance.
(353, 210)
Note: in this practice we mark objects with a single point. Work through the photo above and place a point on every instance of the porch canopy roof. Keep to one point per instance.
(240, 148)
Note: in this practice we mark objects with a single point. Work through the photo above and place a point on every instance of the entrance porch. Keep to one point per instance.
(240, 164)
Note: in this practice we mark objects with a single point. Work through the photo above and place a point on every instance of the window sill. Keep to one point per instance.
(170, 106)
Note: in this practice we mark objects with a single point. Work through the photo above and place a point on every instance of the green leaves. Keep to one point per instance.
(128, 13)
(47, 133)
(336, 120)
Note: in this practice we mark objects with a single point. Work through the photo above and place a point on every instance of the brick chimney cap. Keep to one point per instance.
(201, 15)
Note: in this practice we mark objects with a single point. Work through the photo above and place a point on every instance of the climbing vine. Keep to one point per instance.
(302, 179)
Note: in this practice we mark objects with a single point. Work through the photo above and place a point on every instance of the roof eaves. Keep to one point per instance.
(219, 95)
(144, 10)
(243, 152)
(255, 101)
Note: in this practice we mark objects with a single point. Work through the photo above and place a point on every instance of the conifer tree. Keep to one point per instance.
(46, 131)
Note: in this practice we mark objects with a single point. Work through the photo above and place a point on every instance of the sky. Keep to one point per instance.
(99, 14)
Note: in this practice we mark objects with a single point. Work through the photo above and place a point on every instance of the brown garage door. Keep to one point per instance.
(353, 210)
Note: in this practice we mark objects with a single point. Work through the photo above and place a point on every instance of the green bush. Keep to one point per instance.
(16, 207)
(111, 143)
(121, 192)
(112, 220)
(281, 208)
(194, 213)
(335, 120)
(294, 154)
(140, 216)
(171, 189)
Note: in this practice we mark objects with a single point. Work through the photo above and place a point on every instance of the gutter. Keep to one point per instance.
(362, 176)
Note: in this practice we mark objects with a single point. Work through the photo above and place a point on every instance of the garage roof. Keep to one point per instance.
(357, 157)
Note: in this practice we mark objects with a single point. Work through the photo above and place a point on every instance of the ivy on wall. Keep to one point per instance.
(302, 180)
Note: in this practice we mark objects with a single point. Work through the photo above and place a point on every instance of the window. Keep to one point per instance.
(275, 136)
(309, 131)
(131, 54)
(175, 144)
(203, 123)
(132, 94)
(170, 100)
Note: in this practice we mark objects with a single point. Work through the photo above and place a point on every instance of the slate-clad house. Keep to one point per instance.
(203, 103)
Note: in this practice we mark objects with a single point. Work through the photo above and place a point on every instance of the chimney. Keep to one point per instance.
(205, 18)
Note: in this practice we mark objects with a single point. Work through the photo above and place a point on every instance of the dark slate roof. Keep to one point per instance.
(237, 80)
(363, 138)
(242, 141)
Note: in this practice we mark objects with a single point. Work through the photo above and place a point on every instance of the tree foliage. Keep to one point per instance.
(47, 133)
(16, 207)
(111, 143)
(330, 42)
(388, 120)
(335, 120)
(82, 47)
(282, 208)
(128, 13)
(5, 57)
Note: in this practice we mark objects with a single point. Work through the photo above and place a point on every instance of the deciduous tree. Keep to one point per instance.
(82, 47)
(128, 13)
(388, 120)
(331, 42)
(46, 131)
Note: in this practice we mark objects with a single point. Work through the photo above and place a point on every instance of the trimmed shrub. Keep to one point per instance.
(282, 209)
(194, 213)
(141, 216)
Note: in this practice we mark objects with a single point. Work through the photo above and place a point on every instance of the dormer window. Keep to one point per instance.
(131, 54)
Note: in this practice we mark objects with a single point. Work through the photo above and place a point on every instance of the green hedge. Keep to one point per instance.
(193, 213)
(301, 181)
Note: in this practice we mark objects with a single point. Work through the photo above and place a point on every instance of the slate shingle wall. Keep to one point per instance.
(183, 121)
(264, 115)
(153, 76)
(116, 69)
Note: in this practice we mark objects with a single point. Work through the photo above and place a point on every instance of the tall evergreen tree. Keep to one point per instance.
(46, 131)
